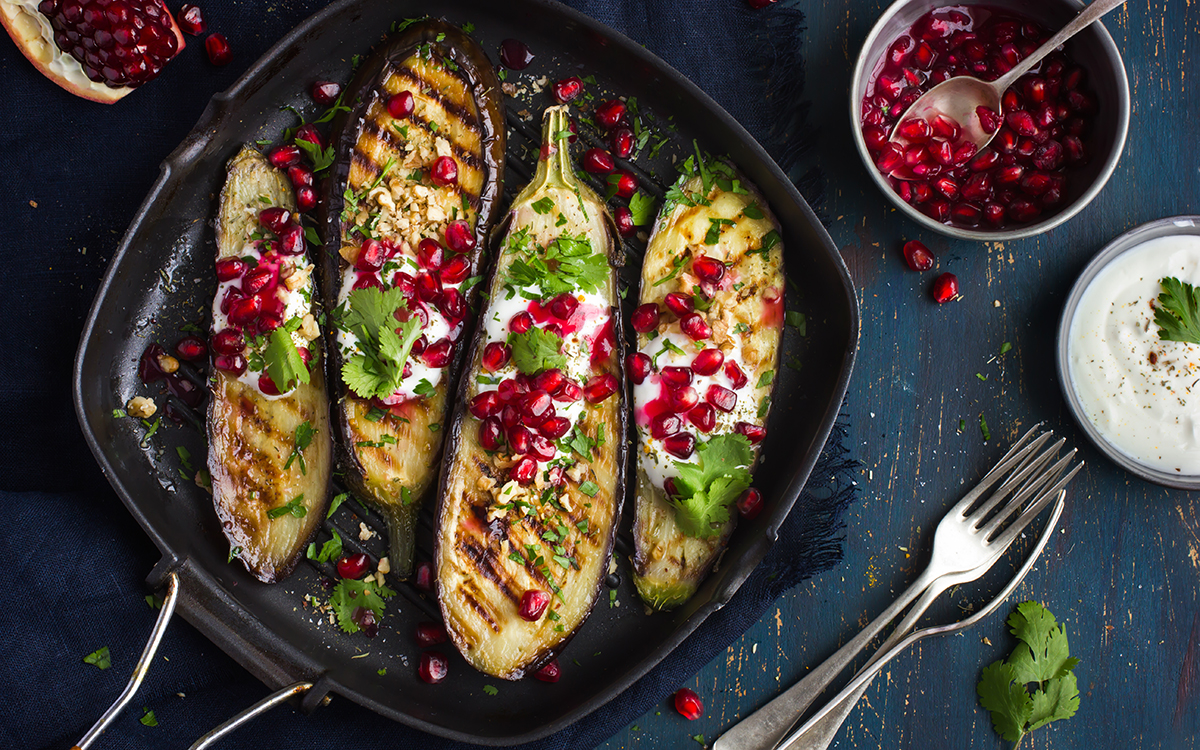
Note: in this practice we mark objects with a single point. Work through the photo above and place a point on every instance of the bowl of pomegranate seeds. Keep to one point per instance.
(1058, 135)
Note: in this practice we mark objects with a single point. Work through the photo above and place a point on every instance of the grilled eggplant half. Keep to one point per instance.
(534, 478)
(710, 322)
(270, 450)
(414, 192)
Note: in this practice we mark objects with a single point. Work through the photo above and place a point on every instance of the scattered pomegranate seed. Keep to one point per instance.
(430, 634)
(400, 106)
(455, 270)
(283, 157)
(300, 176)
(637, 365)
(491, 434)
(621, 143)
(309, 132)
(218, 49)
(682, 400)
(444, 171)
(567, 89)
(371, 256)
(945, 288)
(485, 405)
(245, 310)
(750, 504)
(423, 578)
(191, 348)
(695, 326)
(597, 161)
(680, 445)
(624, 219)
(610, 114)
(627, 184)
(306, 199)
(571, 392)
(228, 342)
(524, 470)
(433, 667)
(291, 239)
(325, 92)
(760, 4)
(191, 20)
(439, 353)
(555, 427)
(704, 417)
(645, 317)
(430, 254)
(708, 269)
(353, 566)
(680, 304)
(533, 604)
(564, 305)
(754, 433)
(459, 237)
(233, 363)
(917, 256)
(496, 355)
(275, 219)
(515, 54)
(257, 280)
(720, 397)
(229, 269)
(676, 377)
(600, 387)
(915, 130)
(708, 361)
(550, 672)
(664, 425)
(687, 703)
(735, 375)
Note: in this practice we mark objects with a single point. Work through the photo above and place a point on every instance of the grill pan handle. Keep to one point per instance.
(264, 705)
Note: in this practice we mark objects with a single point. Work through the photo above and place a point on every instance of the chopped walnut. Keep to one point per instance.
(349, 253)
(309, 328)
(167, 363)
(298, 278)
(384, 567)
(578, 472)
(485, 483)
(442, 147)
(141, 407)
(364, 532)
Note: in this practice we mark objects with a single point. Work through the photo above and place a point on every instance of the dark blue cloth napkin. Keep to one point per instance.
(73, 561)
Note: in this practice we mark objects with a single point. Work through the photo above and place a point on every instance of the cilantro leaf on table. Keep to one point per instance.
(283, 362)
(350, 594)
(1178, 312)
(536, 350)
(1042, 657)
(371, 317)
(100, 658)
(707, 488)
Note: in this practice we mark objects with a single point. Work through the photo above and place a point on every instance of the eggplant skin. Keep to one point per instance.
(497, 539)
(250, 436)
(669, 565)
(392, 461)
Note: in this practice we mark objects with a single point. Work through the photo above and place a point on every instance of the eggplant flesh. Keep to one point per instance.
(382, 190)
(269, 493)
(726, 220)
(503, 536)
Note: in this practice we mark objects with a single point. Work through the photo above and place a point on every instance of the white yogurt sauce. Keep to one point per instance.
(1141, 393)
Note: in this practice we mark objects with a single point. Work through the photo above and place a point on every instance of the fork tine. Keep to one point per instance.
(1032, 488)
(1015, 457)
(1016, 527)
(1018, 483)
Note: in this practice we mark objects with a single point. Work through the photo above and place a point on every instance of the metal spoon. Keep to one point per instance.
(958, 97)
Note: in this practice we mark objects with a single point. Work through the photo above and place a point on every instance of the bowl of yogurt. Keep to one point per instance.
(1135, 394)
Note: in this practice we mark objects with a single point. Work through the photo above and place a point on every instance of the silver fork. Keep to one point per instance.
(967, 542)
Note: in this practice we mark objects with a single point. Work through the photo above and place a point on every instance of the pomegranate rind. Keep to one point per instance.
(33, 35)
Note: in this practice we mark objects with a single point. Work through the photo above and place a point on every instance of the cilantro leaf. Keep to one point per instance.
(543, 205)
(283, 362)
(350, 594)
(338, 499)
(1178, 313)
(642, 208)
(330, 550)
(295, 506)
(707, 488)
(301, 440)
(100, 658)
(371, 316)
(1043, 653)
(1009, 703)
(148, 717)
(322, 158)
(536, 350)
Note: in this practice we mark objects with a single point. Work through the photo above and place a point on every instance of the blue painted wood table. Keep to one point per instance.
(1124, 571)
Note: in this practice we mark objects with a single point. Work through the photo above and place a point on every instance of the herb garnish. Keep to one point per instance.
(543, 205)
(371, 317)
(713, 235)
(100, 658)
(148, 717)
(707, 488)
(330, 550)
(338, 499)
(295, 506)
(642, 208)
(536, 350)
(350, 594)
(1178, 312)
(1042, 656)
(322, 158)
(301, 440)
(568, 264)
(282, 361)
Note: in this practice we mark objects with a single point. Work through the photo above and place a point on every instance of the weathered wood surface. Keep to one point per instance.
(1124, 571)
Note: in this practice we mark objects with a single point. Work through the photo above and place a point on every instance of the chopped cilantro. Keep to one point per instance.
(1178, 312)
(713, 236)
(381, 671)
(1005, 348)
(321, 158)
(233, 552)
(983, 428)
(295, 506)
(283, 362)
(377, 372)
(100, 658)
(338, 499)
(752, 211)
(424, 388)
(797, 320)
(148, 717)
(642, 208)
(490, 689)
(350, 594)
(300, 441)
(589, 488)
(543, 205)
(766, 378)
(330, 550)
(536, 350)
(707, 488)
(384, 439)
(118, 413)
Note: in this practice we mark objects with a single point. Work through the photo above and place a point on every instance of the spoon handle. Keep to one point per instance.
(1085, 18)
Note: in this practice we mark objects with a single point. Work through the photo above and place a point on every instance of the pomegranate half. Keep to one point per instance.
(97, 49)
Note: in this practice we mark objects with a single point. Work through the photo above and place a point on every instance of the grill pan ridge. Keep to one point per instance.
(161, 276)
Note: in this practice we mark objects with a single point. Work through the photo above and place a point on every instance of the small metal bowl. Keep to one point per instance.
(1093, 48)
(1174, 225)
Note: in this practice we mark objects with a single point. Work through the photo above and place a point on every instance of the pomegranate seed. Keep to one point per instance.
(627, 184)
(942, 152)
(234, 363)
(509, 390)
(645, 317)
(600, 387)
(428, 286)
(947, 187)
(597, 161)
(228, 342)
(978, 187)
(680, 304)
(245, 310)
(555, 329)
(1049, 156)
(555, 427)
(891, 157)
(455, 270)
(1021, 122)
(430, 254)
(750, 504)
(370, 256)
(945, 288)
(275, 219)
(754, 433)
(1036, 183)
(533, 604)
(621, 143)
(257, 280)
(688, 704)
(735, 375)
(945, 127)
(485, 405)
(1023, 211)
(310, 133)
(191, 348)
(708, 361)
(637, 365)
(985, 160)
(1073, 148)
(367, 281)
(721, 397)
(676, 377)
(624, 219)
(444, 171)
(966, 214)
(218, 49)
(914, 130)
(515, 54)
(300, 176)
(491, 434)
(571, 392)
(496, 355)
(610, 114)
(267, 385)
(680, 445)
(917, 256)
(541, 448)
(708, 269)
(439, 353)
(683, 399)
(551, 381)
(994, 213)
(964, 154)
(988, 119)
(524, 470)
(664, 425)
(564, 305)
(229, 269)
(353, 566)
(459, 237)
(549, 673)
(401, 106)
(430, 634)
(423, 578)
(518, 439)
(939, 210)
(191, 20)
(567, 89)
(325, 92)
(291, 240)
(433, 667)
(536, 407)
(704, 417)
(520, 323)
(694, 325)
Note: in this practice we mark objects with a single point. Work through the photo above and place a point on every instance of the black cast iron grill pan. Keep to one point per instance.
(161, 277)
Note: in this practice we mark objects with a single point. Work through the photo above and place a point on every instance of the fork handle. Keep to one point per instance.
(764, 728)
